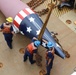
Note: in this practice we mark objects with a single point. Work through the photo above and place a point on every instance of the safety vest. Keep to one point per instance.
(6, 30)
(30, 48)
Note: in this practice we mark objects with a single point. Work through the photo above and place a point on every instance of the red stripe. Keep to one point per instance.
(20, 16)
(16, 24)
(25, 11)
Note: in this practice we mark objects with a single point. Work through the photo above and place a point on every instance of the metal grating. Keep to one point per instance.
(59, 13)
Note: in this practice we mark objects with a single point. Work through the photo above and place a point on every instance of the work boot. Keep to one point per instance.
(10, 47)
(33, 62)
(24, 60)
(45, 74)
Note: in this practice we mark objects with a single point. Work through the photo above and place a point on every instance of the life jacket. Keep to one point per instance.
(6, 30)
(30, 48)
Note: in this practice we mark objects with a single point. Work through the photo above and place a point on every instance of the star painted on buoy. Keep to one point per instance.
(37, 32)
(44, 44)
(31, 19)
(29, 29)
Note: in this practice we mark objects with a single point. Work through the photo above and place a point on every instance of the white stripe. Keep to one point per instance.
(18, 20)
(29, 10)
(38, 27)
(16, 30)
(47, 36)
(23, 13)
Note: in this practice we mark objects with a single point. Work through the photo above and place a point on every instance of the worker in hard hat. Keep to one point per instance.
(49, 57)
(31, 49)
(7, 30)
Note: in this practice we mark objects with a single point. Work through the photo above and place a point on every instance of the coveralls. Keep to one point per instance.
(49, 55)
(30, 55)
(8, 36)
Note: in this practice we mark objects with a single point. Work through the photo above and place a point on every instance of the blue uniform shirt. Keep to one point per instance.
(50, 56)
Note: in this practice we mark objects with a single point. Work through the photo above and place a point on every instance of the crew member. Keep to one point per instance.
(49, 57)
(7, 30)
(31, 49)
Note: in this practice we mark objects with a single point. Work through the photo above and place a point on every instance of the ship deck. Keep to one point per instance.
(12, 60)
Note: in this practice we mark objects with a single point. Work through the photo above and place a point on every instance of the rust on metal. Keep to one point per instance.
(35, 3)
(38, 59)
(1, 65)
(68, 21)
(22, 51)
(42, 72)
